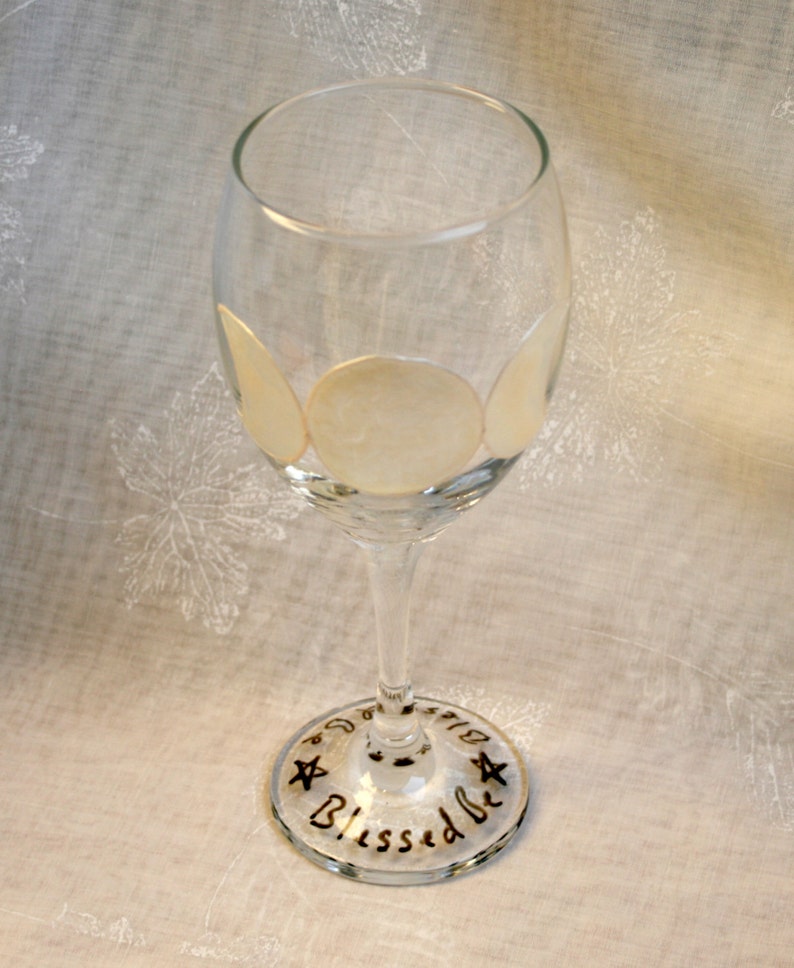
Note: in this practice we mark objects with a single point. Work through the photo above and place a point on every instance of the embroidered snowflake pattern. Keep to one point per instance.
(17, 153)
(373, 39)
(628, 350)
(13, 248)
(200, 503)
(255, 952)
(119, 932)
(699, 692)
(764, 741)
(784, 109)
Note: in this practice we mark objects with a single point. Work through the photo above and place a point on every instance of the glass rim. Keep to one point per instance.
(443, 233)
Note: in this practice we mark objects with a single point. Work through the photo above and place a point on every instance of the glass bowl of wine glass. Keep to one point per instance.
(392, 289)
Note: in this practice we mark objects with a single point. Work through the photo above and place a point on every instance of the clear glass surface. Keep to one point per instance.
(392, 286)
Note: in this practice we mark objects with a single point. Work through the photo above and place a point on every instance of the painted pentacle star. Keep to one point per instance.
(627, 346)
(199, 503)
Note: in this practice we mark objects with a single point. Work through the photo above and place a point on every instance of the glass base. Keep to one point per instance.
(443, 809)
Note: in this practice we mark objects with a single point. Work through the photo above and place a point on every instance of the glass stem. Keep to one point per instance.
(395, 724)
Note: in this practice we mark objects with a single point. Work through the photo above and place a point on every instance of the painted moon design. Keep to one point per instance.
(270, 410)
(389, 425)
(516, 406)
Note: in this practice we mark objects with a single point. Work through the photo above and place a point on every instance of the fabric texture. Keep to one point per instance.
(623, 604)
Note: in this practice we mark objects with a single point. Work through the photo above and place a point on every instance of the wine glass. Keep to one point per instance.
(392, 286)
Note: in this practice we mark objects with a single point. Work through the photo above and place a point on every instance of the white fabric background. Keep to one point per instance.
(624, 604)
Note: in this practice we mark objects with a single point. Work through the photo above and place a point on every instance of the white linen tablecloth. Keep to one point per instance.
(623, 604)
